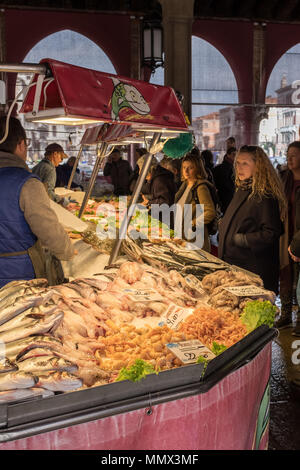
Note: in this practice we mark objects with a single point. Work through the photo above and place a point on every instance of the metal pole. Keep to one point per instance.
(74, 167)
(133, 201)
(102, 152)
(24, 68)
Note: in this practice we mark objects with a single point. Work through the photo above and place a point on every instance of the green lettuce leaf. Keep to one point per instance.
(257, 313)
(218, 348)
(136, 372)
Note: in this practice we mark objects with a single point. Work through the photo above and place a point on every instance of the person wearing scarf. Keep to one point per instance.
(250, 230)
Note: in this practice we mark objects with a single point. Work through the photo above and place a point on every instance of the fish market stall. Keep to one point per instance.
(160, 339)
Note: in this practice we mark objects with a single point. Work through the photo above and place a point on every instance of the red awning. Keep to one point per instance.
(103, 97)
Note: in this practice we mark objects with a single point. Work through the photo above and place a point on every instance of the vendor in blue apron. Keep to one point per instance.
(29, 228)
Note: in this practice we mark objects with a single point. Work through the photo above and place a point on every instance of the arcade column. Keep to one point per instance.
(177, 24)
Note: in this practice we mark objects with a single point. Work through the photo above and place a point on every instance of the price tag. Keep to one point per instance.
(174, 316)
(143, 295)
(194, 283)
(247, 291)
(189, 351)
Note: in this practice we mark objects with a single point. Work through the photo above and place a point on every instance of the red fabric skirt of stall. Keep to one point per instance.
(233, 414)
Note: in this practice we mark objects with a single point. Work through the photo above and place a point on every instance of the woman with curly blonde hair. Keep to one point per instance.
(249, 232)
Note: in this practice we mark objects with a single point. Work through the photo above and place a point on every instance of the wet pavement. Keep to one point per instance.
(285, 400)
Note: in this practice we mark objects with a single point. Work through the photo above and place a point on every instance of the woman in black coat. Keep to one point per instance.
(253, 223)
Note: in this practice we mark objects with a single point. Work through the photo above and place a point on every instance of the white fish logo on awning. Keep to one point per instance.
(127, 96)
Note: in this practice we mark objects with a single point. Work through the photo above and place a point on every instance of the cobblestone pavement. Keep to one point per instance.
(285, 400)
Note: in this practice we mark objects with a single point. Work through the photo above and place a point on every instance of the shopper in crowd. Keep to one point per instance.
(289, 272)
(223, 175)
(208, 160)
(250, 230)
(161, 188)
(46, 169)
(173, 165)
(135, 174)
(120, 171)
(63, 173)
(27, 221)
(195, 190)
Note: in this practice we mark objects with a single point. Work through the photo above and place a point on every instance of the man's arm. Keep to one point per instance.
(35, 204)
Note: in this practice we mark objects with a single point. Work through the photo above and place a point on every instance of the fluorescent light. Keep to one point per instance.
(58, 116)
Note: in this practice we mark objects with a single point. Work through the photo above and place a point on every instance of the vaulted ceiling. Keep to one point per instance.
(256, 10)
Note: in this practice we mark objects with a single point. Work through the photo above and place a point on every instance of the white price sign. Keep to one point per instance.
(247, 291)
(143, 295)
(189, 351)
(175, 315)
(194, 283)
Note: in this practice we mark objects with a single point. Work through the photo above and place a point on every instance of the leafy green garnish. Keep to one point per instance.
(203, 360)
(218, 348)
(257, 312)
(136, 372)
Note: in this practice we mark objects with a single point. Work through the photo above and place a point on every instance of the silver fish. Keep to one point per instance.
(49, 322)
(36, 352)
(40, 282)
(24, 304)
(6, 365)
(16, 349)
(59, 382)
(20, 320)
(18, 379)
(24, 394)
(46, 363)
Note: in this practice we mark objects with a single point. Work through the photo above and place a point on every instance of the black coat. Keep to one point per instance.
(120, 172)
(162, 187)
(223, 176)
(260, 221)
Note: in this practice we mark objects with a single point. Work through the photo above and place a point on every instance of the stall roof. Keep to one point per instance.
(73, 95)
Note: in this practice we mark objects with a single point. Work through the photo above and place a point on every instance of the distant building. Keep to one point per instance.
(288, 118)
(206, 128)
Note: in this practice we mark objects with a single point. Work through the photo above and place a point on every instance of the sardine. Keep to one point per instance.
(36, 352)
(59, 382)
(36, 327)
(6, 365)
(24, 394)
(16, 349)
(24, 304)
(46, 363)
(18, 379)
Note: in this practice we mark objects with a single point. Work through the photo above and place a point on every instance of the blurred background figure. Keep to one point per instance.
(63, 173)
(120, 171)
(223, 175)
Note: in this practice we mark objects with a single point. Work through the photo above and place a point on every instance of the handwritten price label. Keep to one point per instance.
(189, 351)
(194, 283)
(143, 295)
(174, 316)
(247, 291)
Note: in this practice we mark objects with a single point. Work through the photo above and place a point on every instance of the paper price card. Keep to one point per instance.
(194, 283)
(189, 351)
(246, 291)
(175, 315)
(143, 295)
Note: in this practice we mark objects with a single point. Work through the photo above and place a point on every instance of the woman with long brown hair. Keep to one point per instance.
(249, 232)
(195, 190)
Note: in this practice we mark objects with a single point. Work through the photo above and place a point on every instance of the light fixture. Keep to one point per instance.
(57, 116)
(152, 45)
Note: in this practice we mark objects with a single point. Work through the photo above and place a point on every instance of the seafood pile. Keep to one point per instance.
(216, 284)
(80, 334)
(171, 254)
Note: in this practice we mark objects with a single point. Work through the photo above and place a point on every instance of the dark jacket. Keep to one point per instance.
(223, 176)
(162, 187)
(119, 172)
(294, 238)
(259, 221)
(63, 173)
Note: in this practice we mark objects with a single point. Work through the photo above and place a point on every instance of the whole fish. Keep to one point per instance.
(20, 320)
(6, 365)
(39, 282)
(46, 363)
(59, 382)
(48, 322)
(16, 349)
(18, 295)
(36, 352)
(23, 394)
(24, 304)
(18, 379)
(34, 313)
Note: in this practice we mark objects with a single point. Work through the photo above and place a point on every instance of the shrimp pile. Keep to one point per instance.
(209, 325)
